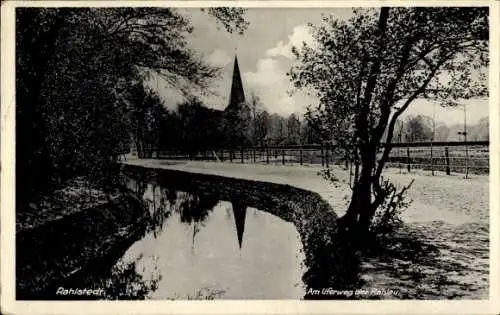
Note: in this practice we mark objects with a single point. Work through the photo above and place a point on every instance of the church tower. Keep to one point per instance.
(237, 113)
(237, 95)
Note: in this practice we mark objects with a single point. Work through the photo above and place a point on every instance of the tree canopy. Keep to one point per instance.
(75, 68)
(368, 70)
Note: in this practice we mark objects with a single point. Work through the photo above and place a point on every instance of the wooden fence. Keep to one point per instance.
(448, 157)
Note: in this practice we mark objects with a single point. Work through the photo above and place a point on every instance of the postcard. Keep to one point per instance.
(226, 157)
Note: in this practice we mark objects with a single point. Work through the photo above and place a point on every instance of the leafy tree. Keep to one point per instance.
(200, 127)
(262, 127)
(484, 129)
(255, 105)
(170, 131)
(73, 68)
(442, 132)
(418, 128)
(278, 129)
(293, 129)
(237, 124)
(311, 133)
(366, 72)
(480, 131)
(147, 112)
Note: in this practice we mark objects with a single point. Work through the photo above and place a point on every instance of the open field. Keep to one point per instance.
(457, 158)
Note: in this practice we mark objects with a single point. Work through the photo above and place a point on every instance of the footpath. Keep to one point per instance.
(435, 198)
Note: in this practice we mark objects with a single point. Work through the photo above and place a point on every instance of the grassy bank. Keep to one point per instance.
(65, 235)
(329, 262)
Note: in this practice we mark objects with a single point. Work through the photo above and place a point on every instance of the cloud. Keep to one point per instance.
(271, 84)
(219, 58)
(300, 34)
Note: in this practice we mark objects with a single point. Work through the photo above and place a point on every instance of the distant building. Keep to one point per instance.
(234, 120)
(237, 93)
(203, 128)
(236, 116)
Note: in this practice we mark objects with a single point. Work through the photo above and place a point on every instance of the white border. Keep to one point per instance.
(8, 303)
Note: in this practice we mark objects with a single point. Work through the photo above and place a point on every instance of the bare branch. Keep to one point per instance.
(392, 124)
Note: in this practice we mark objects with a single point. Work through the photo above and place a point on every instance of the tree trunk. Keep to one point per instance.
(360, 202)
(358, 217)
(361, 210)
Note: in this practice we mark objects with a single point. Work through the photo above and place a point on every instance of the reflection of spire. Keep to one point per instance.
(239, 211)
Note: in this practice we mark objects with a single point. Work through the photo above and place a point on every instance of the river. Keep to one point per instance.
(199, 247)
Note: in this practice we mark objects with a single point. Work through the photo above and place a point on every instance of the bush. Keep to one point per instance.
(387, 218)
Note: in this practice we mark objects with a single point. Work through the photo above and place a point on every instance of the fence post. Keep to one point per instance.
(447, 157)
(408, 159)
(267, 154)
(283, 156)
(326, 155)
(322, 157)
(241, 149)
(253, 154)
(432, 162)
(466, 160)
(300, 155)
(231, 155)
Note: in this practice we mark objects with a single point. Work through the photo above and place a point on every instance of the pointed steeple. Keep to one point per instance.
(237, 95)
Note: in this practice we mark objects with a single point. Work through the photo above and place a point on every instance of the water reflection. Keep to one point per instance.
(239, 212)
(191, 244)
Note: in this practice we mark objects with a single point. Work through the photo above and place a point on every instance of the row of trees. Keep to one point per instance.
(80, 93)
(194, 126)
(422, 128)
(274, 129)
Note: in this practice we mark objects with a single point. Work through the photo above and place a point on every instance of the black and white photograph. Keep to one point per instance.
(246, 152)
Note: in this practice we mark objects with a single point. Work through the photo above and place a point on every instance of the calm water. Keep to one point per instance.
(202, 247)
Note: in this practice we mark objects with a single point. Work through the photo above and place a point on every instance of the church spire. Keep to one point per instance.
(237, 95)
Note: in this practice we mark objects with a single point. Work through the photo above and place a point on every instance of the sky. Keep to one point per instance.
(264, 57)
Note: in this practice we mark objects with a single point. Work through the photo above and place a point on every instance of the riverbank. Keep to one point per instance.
(314, 219)
(70, 233)
(442, 250)
(435, 198)
(77, 238)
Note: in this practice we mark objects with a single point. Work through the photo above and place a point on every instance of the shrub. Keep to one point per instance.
(387, 218)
